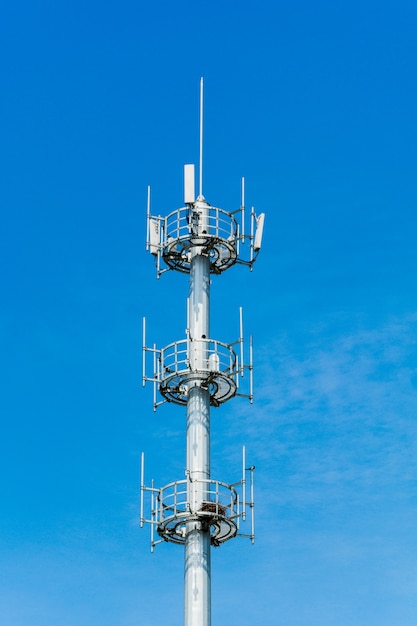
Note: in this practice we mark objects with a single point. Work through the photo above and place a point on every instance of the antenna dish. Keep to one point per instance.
(259, 231)
(189, 192)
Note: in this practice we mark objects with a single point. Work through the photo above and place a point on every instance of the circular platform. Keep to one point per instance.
(221, 528)
(219, 513)
(177, 373)
(212, 230)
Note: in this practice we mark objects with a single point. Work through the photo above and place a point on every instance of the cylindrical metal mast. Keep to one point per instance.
(198, 372)
(197, 573)
(197, 561)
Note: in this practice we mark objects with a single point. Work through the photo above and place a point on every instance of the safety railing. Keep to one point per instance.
(218, 506)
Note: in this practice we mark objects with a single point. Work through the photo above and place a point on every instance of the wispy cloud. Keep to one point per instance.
(337, 411)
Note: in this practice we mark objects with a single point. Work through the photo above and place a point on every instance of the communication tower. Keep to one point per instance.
(199, 372)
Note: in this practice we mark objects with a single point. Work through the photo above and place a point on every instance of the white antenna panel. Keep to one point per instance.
(259, 231)
(154, 235)
(189, 191)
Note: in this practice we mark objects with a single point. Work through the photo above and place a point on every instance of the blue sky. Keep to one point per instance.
(315, 104)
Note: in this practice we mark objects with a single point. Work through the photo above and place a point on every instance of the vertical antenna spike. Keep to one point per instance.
(143, 351)
(201, 137)
(158, 257)
(252, 499)
(142, 487)
(243, 209)
(153, 518)
(156, 378)
(252, 234)
(148, 217)
(251, 369)
(242, 362)
(243, 483)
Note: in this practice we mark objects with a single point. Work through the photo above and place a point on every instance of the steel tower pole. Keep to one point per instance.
(197, 565)
(198, 372)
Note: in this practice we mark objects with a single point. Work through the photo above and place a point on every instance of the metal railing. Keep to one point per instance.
(184, 223)
(222, 507)
(215, 366)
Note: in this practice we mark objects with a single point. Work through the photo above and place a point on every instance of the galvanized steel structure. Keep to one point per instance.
(199, 372)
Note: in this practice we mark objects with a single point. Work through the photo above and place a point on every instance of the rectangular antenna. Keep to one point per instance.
(259, 230)
(189, 192)
(154, 235)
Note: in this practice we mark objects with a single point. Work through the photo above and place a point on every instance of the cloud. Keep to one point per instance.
(337, 412)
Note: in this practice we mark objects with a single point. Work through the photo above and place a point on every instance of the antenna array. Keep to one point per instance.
(199, 372)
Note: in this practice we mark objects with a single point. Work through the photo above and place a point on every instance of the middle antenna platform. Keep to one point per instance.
(180, 370)
(206, 363)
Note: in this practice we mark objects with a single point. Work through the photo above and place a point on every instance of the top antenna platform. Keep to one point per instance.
(201, 229)
(199, 226)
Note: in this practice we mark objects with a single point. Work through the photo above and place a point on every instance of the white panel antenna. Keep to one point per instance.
(154, 235)
(259, 231)
(189, 183)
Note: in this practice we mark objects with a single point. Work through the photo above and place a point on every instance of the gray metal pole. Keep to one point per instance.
(197, 576)
(200, 239)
